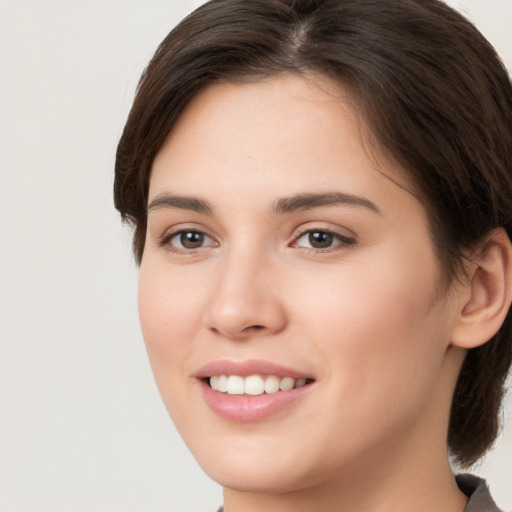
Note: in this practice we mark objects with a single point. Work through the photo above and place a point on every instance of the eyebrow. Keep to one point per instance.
(309, 201)
(298, 202)
(192, 203)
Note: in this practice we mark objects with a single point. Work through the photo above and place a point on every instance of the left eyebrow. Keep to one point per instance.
(308, 201)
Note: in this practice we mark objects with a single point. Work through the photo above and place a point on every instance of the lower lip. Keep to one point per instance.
(246, 408)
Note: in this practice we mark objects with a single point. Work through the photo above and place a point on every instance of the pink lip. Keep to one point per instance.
(244, 408)
(248, 367)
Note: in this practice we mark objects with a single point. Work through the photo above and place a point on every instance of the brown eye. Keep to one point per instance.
(320, 239)
(190, 240)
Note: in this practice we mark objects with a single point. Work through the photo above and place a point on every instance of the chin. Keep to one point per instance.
(261, 466)
(257, 478)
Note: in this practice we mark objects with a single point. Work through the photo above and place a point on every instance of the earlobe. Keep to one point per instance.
(489, 292)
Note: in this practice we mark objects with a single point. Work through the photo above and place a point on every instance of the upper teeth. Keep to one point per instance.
(254, 384)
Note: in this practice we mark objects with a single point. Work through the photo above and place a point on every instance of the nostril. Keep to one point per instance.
(245, 331)
(254, 328)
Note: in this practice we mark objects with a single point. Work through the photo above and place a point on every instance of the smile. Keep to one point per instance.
(252, 390)
(254, 384)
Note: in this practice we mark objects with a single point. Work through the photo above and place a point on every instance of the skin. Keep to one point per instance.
(365, 317)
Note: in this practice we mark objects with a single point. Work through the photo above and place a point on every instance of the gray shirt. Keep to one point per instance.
(476, 490)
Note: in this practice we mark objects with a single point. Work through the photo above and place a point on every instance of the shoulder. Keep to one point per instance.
(480, 499)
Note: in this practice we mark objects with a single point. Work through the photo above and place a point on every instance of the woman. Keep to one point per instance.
(322, 203)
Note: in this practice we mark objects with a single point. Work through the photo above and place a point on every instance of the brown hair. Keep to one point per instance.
(433, 92)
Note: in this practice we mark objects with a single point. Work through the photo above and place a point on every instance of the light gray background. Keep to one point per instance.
(82, 427)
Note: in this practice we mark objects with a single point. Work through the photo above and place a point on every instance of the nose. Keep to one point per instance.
(245, 301)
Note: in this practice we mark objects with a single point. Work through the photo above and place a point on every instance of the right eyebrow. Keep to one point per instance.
(195, 204)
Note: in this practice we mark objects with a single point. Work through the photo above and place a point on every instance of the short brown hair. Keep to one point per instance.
(430, 87)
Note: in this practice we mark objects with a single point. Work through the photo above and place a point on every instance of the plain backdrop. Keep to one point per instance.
(82, 427)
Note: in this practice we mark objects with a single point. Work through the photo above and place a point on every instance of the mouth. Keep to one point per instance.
(252, 390)
(254, 385)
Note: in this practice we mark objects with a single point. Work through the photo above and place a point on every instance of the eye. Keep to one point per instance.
(319, 239)
(188, 240)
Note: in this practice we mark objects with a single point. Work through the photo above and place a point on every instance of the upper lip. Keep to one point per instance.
(248, 367)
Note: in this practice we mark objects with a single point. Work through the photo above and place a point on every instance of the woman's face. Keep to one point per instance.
(277, 254)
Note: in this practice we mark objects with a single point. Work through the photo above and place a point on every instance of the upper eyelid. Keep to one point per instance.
(343, 241)
(170, 233)
(335, 234)
(179, 228)
(164, 241)
(339, 232)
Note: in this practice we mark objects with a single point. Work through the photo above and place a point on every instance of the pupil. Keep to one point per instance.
(191, 239)
(320, 239)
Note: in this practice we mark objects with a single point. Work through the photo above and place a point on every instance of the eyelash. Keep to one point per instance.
(342, 241)
(165, 241)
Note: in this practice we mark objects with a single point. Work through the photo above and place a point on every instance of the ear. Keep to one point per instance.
(487, 294)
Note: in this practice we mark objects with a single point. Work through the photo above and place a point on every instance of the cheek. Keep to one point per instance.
(379, 326)
(167, 299)
(170, 313)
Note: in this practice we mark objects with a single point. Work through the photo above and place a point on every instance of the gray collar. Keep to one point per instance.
(476, 490)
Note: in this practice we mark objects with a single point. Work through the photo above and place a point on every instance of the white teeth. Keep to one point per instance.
(299, 383)
(286, 384)
(253, 384)
(236, 385)
(271, 384)
(223, 383)
(214, 382)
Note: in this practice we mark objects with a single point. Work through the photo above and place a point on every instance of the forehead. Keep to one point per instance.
(288, 133)
(287, 118)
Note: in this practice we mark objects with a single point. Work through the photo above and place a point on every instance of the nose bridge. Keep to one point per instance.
(243, 301)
